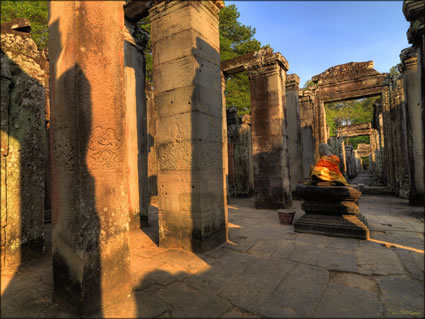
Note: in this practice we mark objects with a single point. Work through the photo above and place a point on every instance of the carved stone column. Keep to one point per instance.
(294, 133)
(186, 60)
(267, 77)
(415, 127)
(91, 262)
(414, 12)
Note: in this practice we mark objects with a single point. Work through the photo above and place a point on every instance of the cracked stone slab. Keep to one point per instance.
(276, 248)
(293, 297)
(188, 302)
(337, 259)
(340, 301)
(378, 261)
(250, 288)
(413, 262)
(223, 270)
(402, 297)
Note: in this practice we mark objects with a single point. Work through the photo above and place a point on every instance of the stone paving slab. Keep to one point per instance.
(293, 298)
(402, 297)
(267, 270)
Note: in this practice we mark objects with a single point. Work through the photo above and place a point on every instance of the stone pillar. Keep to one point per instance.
(136, 128)
(415, 126)
(225, 151)
(224, 136)
(307, 136)
(186, 60)
(294, 134)
(91, 261)
(243, 158)
(342, 157)
(23, 145)
(267, 77)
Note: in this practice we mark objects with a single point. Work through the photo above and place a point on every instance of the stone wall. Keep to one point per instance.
(23, 142)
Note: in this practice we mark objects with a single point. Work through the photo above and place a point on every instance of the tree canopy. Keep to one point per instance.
(349, 113)
(36, 12)
(236, 39)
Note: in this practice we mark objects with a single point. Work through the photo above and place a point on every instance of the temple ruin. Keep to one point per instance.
(114, 145)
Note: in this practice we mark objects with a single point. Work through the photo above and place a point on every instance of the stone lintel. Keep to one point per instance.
(355, 130)
(352, 71)
(236, 65)
(292, 82)
(408, 58)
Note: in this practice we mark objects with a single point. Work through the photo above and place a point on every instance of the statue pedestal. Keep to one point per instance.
(332, 211)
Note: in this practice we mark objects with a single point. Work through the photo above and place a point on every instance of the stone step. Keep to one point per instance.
(349, 226)
(344, 207)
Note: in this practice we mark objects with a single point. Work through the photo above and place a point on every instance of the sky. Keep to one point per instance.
(315, 35)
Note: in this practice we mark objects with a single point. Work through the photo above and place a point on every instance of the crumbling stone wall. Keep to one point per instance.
(23, 142)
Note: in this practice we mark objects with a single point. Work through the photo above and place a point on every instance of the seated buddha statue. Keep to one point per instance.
(326, 171)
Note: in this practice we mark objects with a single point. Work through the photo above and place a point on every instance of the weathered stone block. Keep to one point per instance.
(189, 70)
(171, 18)
(203, 127)
(188, 99)
(182, 44)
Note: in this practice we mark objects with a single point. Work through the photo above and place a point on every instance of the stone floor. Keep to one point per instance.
(265, 270)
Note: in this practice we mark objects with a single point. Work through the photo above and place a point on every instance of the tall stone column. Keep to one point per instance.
(267, 77)
(136, 128)
(186, 60)
(307, 131)
(415, 129)
(225, 151)
(294, 134)
(88, 155)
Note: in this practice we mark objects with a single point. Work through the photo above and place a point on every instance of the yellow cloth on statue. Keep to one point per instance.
(327, 169)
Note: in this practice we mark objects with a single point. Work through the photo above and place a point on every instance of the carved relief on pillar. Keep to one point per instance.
(104, 150)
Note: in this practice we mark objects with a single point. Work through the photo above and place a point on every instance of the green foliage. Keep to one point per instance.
(349, 113)
(308, 84)
(394, 72)
(356, 140)
(35, 11)
(236, 39)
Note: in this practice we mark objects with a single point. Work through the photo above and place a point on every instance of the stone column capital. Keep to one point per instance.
(160, 8)
(292, 82)
(413, 10)
(265, 60)
(408, 58)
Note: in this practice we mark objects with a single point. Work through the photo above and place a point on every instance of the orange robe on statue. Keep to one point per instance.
(327, 169)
